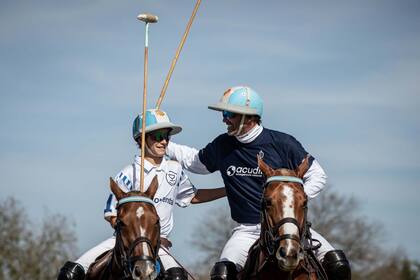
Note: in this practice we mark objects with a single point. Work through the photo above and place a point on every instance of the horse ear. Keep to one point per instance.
(150, 193)
(116, 190)
(267, 170)
(303, 167)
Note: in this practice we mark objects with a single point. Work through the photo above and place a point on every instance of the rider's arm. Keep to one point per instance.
(110, 213)
(124, 182)
(205, 195)
(188, 158)
(188, 194)
(314, 179)
(186, 190)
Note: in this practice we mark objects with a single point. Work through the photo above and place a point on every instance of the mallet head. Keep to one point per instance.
(147, 18)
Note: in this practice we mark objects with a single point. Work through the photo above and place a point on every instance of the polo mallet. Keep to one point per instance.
(178, 51)
(147, 18)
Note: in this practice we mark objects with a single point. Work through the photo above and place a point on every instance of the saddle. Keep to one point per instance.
(100, 264)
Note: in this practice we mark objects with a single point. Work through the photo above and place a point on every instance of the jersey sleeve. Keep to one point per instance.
(186, 191)
(188, 157)
(209, 155)
(315, 178)
(125, 183)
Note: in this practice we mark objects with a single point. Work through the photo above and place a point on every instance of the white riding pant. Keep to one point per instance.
(244, 236)
(90, 256)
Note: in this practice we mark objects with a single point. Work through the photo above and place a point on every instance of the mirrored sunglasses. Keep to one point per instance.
(160, 135)
(228, 115)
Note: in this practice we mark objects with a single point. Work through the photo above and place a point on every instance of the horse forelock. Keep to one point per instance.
(135, 193)
(285, 172)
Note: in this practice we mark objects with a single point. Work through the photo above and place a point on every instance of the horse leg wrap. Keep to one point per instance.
(71, 271)
(176, 273)
(336, 265)
(224, 270)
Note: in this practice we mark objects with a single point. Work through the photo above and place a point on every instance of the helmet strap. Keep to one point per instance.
(149, 151)
(238, 131)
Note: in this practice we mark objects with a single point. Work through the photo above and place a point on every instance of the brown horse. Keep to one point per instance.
(137, 238)
(282, 251)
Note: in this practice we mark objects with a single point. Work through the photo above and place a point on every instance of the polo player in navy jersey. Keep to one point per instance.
(234, 154)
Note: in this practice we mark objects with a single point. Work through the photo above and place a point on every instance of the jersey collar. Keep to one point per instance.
(250, 135)
(148, 166)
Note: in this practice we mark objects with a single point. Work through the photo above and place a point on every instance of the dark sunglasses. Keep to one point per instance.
(158, 136)
(228, 115)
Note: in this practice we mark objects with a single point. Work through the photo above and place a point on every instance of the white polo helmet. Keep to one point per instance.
(155, 119)
(241, 100)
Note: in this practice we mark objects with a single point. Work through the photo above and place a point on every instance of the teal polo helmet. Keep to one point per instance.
(241, 100)
(155, 119)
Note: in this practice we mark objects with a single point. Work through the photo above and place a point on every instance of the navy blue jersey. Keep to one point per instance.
(237, 162)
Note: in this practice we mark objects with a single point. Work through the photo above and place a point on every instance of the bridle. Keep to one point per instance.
(127, 259)
(270, 237)
(270, 240)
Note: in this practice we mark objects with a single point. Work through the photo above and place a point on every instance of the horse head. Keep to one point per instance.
(284, 214)
(137, 232)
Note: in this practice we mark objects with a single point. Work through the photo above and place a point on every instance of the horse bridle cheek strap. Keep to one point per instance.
(127, 259)
(270, 237)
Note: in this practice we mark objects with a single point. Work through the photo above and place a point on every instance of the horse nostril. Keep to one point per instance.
(137, 271)
(282, 252)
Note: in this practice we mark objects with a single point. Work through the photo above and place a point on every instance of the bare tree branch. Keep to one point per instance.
(27, 253)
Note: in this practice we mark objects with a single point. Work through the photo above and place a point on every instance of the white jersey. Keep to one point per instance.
(174, 187)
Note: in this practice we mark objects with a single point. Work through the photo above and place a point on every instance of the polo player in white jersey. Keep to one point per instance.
(174, 188)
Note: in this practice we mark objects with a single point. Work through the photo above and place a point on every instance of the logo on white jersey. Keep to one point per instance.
(171, 178)
(243, 171)
(168, 200)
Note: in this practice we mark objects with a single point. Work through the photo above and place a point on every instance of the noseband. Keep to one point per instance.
(127, 260)
(270, 237)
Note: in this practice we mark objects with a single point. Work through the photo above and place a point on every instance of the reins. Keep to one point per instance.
(167, 251)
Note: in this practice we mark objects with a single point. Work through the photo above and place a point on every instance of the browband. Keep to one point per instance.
(284, 179)
(134, 199)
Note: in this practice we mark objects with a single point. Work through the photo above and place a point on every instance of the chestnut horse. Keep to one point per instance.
(282, 251)
(137, 228)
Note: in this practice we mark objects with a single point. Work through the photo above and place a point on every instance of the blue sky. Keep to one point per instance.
(342, 77)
